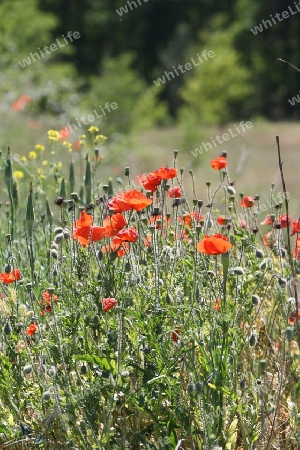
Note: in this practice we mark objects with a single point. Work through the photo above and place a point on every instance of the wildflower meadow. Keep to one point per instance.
(140, 317)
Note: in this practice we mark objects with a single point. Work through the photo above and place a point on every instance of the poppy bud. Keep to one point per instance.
(231, 190)
(238, 271)
(7, 268)
(282, 282)
(242, 384)
(58, 230)
(52, 372)
(199, 386)
(263, 265)
(54, 272)
(255, 299)
(46, 395)
(262, 365)
(289, 331)
(259, 253)
(27, 369)
(83, 369)
(53, 253)
(66, 234)
(127, 267)
(127, 172)
(7, 329)
(191, 387)
(252, 340)
(175, 153)
(58, 238)
(100, 255)
(96, 320)
(200, 203)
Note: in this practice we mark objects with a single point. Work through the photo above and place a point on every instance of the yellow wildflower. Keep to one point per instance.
(59, 165)
(23, 158)
(18, 175)
(53, 135)
(44, 163)
(40, 147)
(32, 155)
(93, 129)
(100, 139)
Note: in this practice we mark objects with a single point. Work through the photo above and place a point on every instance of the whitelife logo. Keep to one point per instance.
(221, 139)
(188, 66)
(53, 47)
(284, 15)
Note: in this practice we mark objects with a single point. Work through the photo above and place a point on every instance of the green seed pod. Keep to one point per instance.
(46, 395)
(255, 299)
(289, 332)
(262, 365)
(53, 253)
(199, 386)
(96, 320)
(238, 271)
(7, 268)
(252, 340)
(242, 384)
(83, 369)
(191, 387)
(282, 282)
(263, 265)
(66, 234)
(59, 238)
(27, 369)
(7, 329)
(259, 253)
(52, 372)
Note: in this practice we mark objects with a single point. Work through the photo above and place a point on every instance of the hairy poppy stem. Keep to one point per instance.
(288, 237)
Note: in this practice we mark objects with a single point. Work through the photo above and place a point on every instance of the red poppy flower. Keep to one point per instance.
(153, 221)
(175, 335)
(217, 304)
(64, 133)
(218, 163)
(148, 239)
(296, 227)
(221, 220)
(85, 233)
(165, 173)
(150, 181)
(128, 200)
(187, 218)
(48, 296)
(76, 145)
(20, 104)
(174, 192)
(31, 329)
(119, 247)
(128, 235)
(108, 303)
(292, 318)
(10, 277)
(214, 245)
(269, 239)
(114, 224)
(284, 221)
(297, 250)
(247, 202)
(267, 220)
